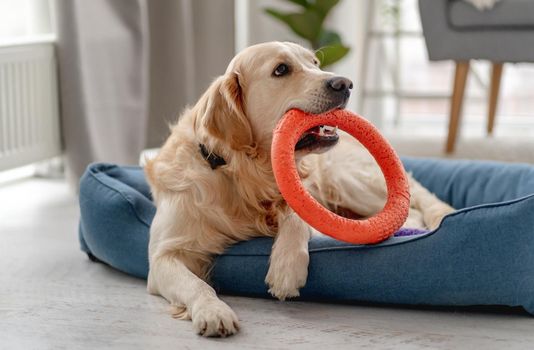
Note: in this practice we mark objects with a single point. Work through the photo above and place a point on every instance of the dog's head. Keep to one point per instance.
(264, 81)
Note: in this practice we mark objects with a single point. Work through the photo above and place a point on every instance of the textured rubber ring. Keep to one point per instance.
(368, 231)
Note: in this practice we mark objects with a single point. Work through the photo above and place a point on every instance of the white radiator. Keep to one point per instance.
(29, 114)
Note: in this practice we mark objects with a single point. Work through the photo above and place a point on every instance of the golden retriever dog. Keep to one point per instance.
(213, 184)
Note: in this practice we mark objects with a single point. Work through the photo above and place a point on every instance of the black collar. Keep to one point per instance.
(212, 158)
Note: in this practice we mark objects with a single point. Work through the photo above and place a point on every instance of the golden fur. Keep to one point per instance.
(201, 211)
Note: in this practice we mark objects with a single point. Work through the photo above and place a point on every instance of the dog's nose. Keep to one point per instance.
(339, 84)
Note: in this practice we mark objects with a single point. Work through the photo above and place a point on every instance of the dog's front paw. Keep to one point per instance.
(287, 274)
(435, 216)
(213, 318)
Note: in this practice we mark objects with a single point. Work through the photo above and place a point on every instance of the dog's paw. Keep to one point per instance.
(287, 274)
(434, 217)
(214, 318)
(434, 224)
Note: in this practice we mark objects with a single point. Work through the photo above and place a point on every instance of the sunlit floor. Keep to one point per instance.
(53, 297)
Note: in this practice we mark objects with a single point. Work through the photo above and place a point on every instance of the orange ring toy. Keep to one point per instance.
(372, 230)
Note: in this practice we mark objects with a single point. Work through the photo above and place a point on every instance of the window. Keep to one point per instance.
(26, 21)
(416, 101)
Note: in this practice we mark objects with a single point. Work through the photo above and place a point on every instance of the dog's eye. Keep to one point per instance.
(281, 69)
(316, 61)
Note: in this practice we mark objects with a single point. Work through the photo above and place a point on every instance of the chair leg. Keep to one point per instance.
(460, 78)
(496, 74)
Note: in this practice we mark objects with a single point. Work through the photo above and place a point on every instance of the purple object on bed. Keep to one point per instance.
(409, 232)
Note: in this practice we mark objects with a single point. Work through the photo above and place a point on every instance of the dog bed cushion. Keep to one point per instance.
(482, 254)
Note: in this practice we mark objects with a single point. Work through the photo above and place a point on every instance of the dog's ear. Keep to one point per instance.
(223, 113)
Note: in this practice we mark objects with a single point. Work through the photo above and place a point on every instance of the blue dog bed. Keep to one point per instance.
(482, 254)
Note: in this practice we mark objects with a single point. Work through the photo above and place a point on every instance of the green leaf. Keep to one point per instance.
(330, 54)
(303, 3)
(328, 37)
(324, 6)
(306, 24)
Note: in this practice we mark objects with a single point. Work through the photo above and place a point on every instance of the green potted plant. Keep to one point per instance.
(308, 23)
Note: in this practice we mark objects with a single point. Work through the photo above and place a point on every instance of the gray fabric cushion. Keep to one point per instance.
(497, 44)
(506, 14)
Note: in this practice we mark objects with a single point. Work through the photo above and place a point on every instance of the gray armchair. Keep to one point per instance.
(455, 30)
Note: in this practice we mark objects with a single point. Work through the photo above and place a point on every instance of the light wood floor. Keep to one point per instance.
(53, 297)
